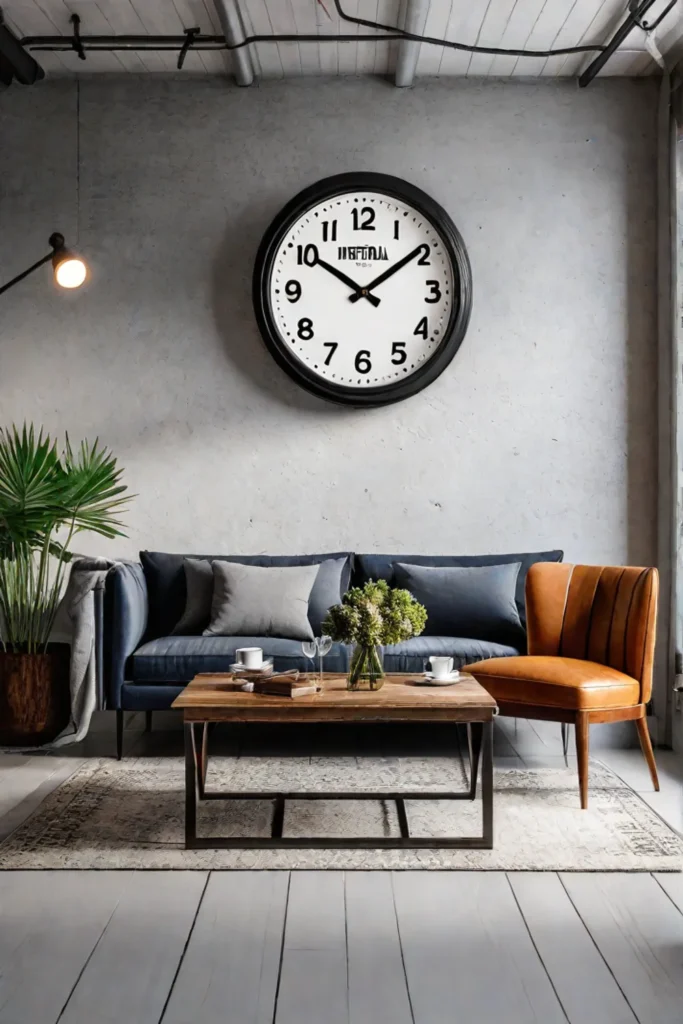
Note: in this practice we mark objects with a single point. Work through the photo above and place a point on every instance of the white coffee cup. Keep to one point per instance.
(441, 667)
(250, 657)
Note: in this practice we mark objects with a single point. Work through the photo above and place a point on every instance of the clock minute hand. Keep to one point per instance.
(359, 293)
(387, 274)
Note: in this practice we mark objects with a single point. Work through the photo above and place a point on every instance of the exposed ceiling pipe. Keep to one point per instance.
(632, 20)
(409, 50)
(233, 29)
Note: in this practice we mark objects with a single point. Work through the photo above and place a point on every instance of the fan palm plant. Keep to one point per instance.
(46, 498)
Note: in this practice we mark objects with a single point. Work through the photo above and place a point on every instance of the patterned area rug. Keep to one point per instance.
(129, 814)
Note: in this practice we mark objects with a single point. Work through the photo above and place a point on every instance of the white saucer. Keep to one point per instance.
(265, 666)
(429, 679)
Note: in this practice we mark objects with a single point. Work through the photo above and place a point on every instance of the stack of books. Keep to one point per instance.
(286, 684)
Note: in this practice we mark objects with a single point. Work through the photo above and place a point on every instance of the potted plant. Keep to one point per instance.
(371, 617)
(46, 498)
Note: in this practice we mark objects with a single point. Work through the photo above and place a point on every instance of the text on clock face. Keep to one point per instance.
(362, 289)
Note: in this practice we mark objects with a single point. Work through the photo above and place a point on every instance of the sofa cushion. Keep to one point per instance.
(259, 600)
(172, 659)
(411, 655)
(165, 577)
(380, 567)
(476, 601)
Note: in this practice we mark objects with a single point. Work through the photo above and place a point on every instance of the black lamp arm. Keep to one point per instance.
(57, 242)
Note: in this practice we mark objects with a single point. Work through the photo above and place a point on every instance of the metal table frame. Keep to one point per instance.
(480, 743)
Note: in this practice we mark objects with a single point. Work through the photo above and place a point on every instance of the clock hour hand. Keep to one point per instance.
(359, 292)
(388, 273)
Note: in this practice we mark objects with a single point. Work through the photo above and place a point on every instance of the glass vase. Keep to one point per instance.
(366, 671)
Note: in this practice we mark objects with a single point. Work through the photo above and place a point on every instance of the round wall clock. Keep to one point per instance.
(363, 289)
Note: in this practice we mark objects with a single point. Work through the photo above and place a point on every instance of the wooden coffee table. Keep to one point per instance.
(207, 699)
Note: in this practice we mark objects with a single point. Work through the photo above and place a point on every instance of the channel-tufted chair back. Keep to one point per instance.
(605, 614)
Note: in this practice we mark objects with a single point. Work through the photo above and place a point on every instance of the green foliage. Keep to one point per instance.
(41, 494)
(375, 614)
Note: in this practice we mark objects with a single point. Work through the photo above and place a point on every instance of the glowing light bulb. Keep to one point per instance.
(70, 272)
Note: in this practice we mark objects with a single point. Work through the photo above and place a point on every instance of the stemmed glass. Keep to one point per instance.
(324, 644)
(309, 648)
(321, 646)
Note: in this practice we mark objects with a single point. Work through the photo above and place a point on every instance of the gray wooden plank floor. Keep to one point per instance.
(335, 947)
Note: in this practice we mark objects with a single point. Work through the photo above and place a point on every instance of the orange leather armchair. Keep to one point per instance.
(591, 639)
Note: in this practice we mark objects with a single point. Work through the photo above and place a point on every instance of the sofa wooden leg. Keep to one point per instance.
(119, 734)
(581, 727)
(646, 747)
(148, 721)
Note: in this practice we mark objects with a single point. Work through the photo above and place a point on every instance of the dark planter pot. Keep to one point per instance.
(34, 696)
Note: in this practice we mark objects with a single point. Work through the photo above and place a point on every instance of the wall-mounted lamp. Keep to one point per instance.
(69, 269)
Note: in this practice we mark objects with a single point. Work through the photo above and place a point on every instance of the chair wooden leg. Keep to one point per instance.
(581, 727)
(646, 746)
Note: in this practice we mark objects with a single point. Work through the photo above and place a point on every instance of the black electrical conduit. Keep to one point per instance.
(192, 40)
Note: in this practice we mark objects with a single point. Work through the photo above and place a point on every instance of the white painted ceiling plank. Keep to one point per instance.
(160, 17)
(94, 23)
(365, 60)
(348, 52)
(193, 14)
(123, 20)
(305, 23)
(517, 31)
(436, 26)
(28, 20)
(628, 64)
(463, 27)
(492, 30)
(328, 53)
(575, 27)
(601, 28)
(56, 22)
(542, 37)
(267, 54)
(282, 21)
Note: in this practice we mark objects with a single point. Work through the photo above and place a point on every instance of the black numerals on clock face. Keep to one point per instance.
(422, 329)
(305, 329)
(362, 291)
(307, 254)
(363, 219)
(363, 364)
(434, 291)
(329, 231)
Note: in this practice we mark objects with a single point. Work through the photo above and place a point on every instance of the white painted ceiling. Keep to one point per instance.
(530, 24)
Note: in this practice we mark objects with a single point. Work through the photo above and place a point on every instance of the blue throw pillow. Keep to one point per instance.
(473, 602)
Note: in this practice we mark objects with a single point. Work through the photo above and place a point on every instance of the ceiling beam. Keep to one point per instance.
(233, 30)
(409, 50)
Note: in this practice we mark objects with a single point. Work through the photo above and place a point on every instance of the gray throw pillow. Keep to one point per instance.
(199, 584)
(327, 590)
(252, 600)
(477, 602)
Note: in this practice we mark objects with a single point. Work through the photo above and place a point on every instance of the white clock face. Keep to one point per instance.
(362, 290)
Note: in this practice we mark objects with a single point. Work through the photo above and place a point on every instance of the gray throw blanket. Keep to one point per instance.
(75, 625)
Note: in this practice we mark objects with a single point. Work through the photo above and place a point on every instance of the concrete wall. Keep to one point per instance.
(540, 434)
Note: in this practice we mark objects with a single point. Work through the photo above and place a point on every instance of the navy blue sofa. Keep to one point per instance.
(145, 668)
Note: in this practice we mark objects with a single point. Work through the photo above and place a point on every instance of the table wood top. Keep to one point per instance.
(210, 697)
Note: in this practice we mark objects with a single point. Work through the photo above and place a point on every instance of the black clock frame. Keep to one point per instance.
(327, 188)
